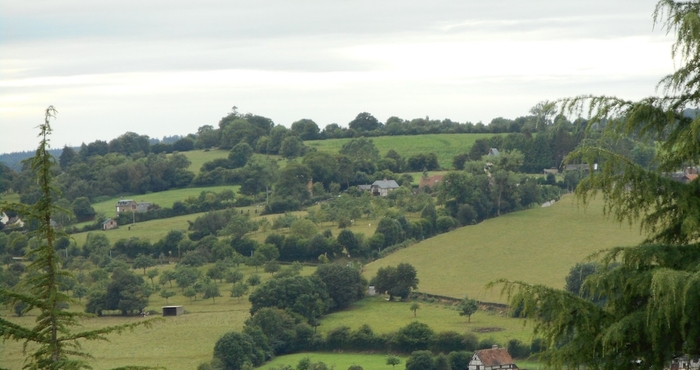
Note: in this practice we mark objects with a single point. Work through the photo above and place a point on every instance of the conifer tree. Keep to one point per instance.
(50, 342)
(642, 313)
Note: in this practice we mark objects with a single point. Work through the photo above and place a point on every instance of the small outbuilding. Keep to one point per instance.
(173, 310)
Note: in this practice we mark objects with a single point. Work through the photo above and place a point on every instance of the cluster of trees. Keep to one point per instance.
(270, 332)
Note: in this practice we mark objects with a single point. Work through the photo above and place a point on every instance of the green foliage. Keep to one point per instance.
(393, 361)
(420, 360)
(647, 317)
(413, 337)
(396, 281)
(235, 349)
(344, 284)
(467, 307)
(306, 296)
(53, 344)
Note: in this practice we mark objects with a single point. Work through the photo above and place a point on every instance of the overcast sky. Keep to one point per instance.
(168, 67)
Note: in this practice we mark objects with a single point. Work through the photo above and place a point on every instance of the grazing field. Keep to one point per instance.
(199, 157)
(164, 199)
(181, 342)
(537, 246)
(339, 361)
(11, 197)
(384, 317)
(445, 146)
(155, 230)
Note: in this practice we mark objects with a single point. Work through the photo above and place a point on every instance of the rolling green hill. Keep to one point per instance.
(537, 246)
(445, 146)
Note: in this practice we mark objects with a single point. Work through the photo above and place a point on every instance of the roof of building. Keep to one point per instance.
(386, 184)
(494, 357)
(107, 221)
(125, 201)
(364, 187)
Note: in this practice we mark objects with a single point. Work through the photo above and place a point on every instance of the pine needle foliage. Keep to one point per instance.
(647, 296)
(50, 343)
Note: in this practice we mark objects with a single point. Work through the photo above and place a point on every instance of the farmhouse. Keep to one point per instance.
(492, 359)
(383, 187)
(109, 224)
(129, 205)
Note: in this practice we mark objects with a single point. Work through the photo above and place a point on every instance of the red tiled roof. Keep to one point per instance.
(494, 357)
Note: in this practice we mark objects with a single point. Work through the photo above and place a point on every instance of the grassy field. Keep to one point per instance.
(163, 198)
(445, 146)
(199, 157)
(537, 246)
(340, 361)
(384, 317)
(181, 342)
(156, 229)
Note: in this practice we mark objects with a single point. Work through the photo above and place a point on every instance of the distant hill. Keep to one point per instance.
(14, 159)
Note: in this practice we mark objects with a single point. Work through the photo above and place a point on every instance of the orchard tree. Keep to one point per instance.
(650, 313)
(467, 307)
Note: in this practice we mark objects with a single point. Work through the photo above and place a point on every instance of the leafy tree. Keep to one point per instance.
(364, 122)
(234, 276)
(239, 289)
(190, 293)
(272, 266)
(167, 277)
(234, 349)
(344, 284)
(211, 290)
(442, 362)
(253, 280)
(415, 307)
(396, 281)
(413, 337)
(126, 293)
(420, 360)
(167, 294)
(152, 275)
(467, 307)
(143, 262)
(82, 209)
(304, 295)
(240, 154)
(393, 361)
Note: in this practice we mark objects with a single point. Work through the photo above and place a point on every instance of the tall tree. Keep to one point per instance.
(649, 316)
(57, 347)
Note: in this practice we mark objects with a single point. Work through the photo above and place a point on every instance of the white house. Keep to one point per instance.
(492, 359)
(383, 187)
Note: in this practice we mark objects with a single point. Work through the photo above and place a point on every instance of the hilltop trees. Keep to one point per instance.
(649, 316)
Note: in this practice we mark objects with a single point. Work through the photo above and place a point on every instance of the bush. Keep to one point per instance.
(338, 338)
(413, 337)
(420, 360)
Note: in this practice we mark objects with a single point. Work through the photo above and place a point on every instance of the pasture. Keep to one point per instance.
(164, 199)
(385, 317)
(538, 246)
(339, 361)
(445, 146)
(180, 342)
